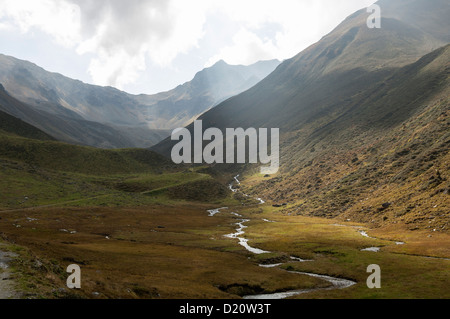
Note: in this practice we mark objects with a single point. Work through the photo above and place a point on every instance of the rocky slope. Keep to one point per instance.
(363, 116)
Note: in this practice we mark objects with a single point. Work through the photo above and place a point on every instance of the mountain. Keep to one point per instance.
(64, 128)
(362, 114)
(12, 125)
(180, 106)
(139, 121)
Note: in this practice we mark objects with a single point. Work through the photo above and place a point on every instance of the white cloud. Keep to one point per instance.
(247, 48)
(120, 34)
(59, 19)
(117, 69)
(124, 36)
(4, 26)
(301, 23)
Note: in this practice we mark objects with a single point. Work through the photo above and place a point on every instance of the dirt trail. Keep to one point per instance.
(7, 290)
(52, 205)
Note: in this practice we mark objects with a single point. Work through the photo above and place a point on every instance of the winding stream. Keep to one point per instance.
(243, 241)
(336, 283)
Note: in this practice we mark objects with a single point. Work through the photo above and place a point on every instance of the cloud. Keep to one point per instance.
(123, 37)
(123, 34)
(299, 24)
(59, 19)
(247, 48)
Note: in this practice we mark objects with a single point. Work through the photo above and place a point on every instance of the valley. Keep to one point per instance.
(359, 174)
(132, 243)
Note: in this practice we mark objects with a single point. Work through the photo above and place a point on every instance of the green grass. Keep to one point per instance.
(79, 159)
(26, 187)
(37, 173)
(336, 251)
(163, 244)
(148, 183)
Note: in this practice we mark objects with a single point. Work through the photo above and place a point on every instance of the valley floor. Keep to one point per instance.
(179, 251)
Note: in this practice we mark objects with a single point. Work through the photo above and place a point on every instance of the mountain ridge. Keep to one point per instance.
(336, 103)
(312, 78)
(134, 116)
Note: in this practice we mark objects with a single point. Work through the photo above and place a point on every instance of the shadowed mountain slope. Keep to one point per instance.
(138, 121)
(66, 129)
(346, 106)
(12, 125)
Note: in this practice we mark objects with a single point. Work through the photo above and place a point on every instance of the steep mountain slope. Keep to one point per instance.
(64, 128)
(141, 120)
(180, 106)
(12, 125)
(349, 109)
(318, 81)
(384, 161)
(339, 66)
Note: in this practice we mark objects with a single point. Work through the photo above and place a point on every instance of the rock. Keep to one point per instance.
(386, 205)
(38, 264)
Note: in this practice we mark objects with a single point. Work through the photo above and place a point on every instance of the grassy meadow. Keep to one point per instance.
(139, 231)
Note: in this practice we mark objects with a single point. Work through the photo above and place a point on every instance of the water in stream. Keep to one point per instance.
(337, 283)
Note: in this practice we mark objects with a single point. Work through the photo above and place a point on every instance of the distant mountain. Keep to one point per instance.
(67, 129)
(12, 125)
(179, 107)
(363, 113)
(140, 120)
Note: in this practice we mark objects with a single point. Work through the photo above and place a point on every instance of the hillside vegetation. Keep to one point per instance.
(363, 118)
(12, 125)
(391, 165)
(38, 173)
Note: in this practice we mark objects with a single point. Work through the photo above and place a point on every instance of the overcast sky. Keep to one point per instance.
(149, 46)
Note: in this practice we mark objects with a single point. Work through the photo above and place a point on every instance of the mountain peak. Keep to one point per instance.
(142, 120)
(220, 62)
